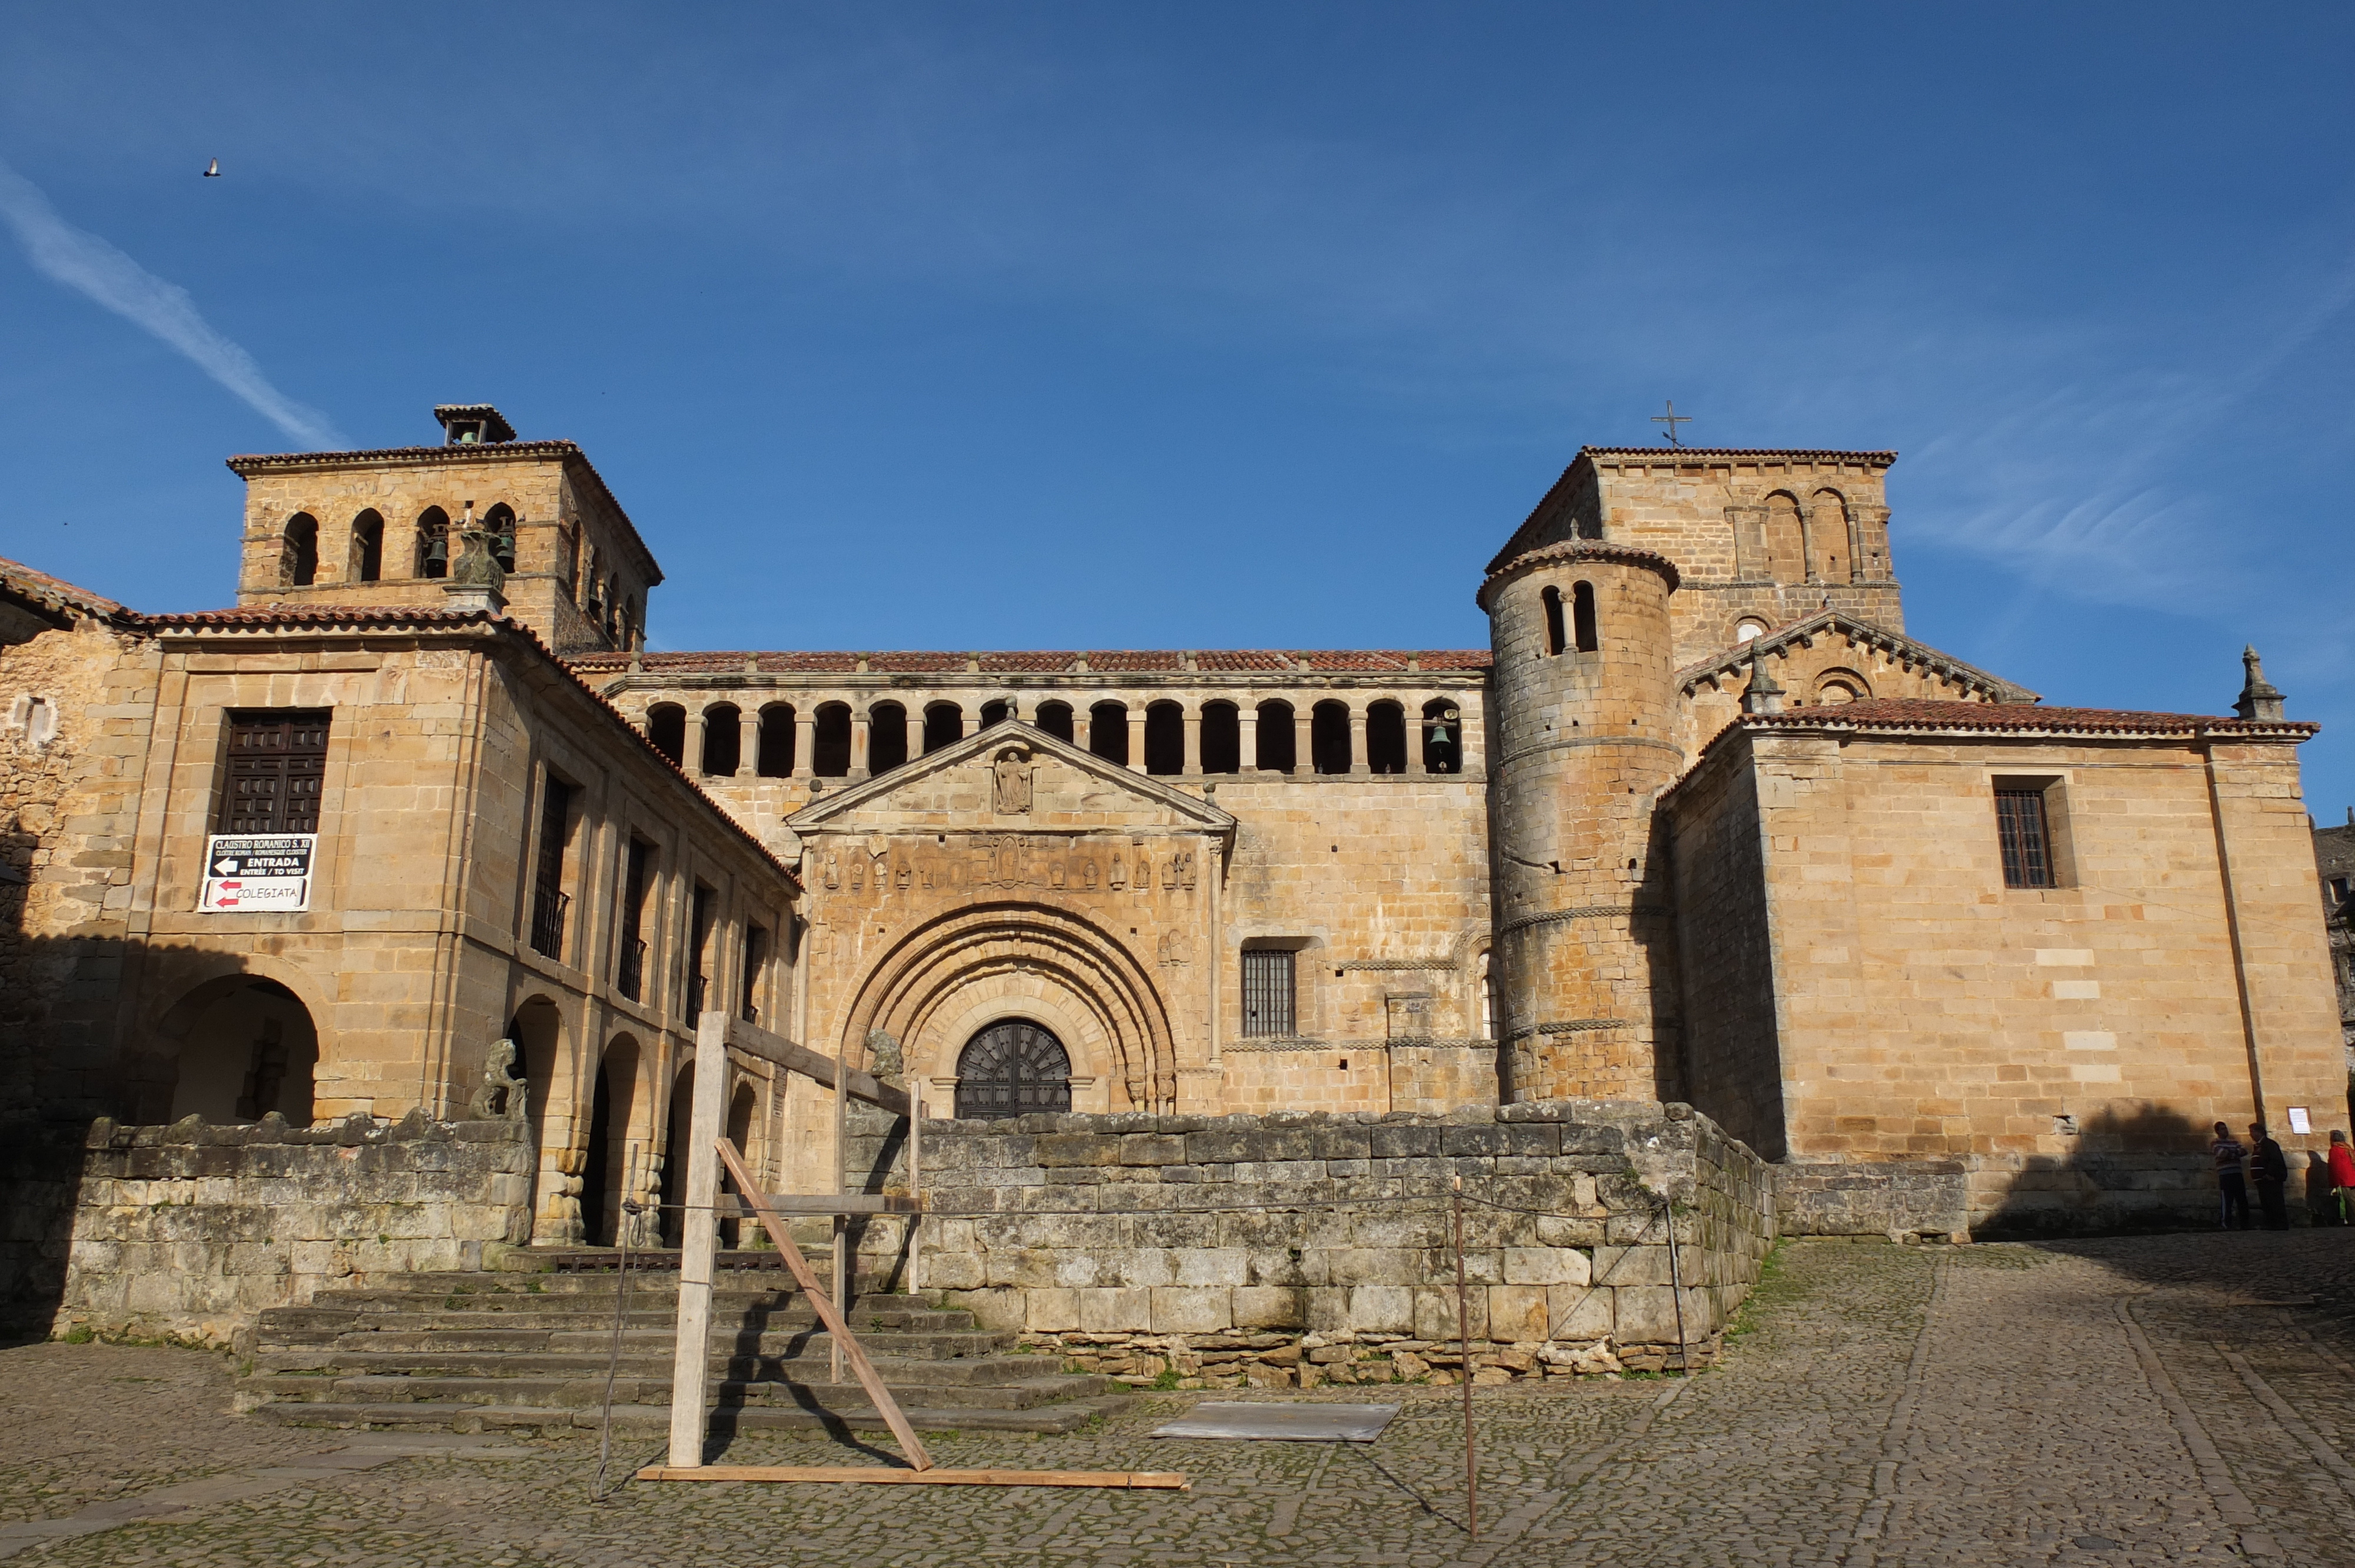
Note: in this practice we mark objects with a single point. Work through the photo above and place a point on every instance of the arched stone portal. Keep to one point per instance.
(1012, 1068)
(950, 980)
(248, 1047)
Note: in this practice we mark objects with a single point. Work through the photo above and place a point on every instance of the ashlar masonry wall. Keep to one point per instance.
(188, 1231)
(1285, 1250)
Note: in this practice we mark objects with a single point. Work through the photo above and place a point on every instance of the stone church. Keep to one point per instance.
(1703, 823)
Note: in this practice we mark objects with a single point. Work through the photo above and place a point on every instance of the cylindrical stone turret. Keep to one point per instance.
(1584, 714)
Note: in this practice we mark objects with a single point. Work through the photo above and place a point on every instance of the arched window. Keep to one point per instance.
(1012, 1068)
(1748, 630)
(1555, 639)
(1787, 552)
(1165, 739)
(593, 584)
(1055, 719)
(1443, 736)
(997, 711)
(723, 740)
(1827, 535)
(886, 736)
(367, 547)
(634, 624)
(1329, 737)
(1582, 617)
(1386, 738)
(432, 555)
(776, 757)
(1279, 752)
(500, 523)
(301, 567)
(667, 728)
(1108, 732)
(613, 609)
(943, 725)
(1223, 738)
(830, 742)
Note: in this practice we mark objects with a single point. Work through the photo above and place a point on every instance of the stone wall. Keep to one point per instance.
(188, 1230)
(1906, 1201)
(1290, 1249)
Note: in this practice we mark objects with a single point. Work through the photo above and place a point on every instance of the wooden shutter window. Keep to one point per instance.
(277, 764)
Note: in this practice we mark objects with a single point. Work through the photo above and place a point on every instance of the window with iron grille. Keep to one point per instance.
(548, 898)
(630, 971)
(756, 952)
(2027, 846)
(277, 762)
(1269, 994)
(698, 932)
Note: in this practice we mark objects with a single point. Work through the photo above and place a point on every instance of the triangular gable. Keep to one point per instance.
(952, 789)
(1734, 661)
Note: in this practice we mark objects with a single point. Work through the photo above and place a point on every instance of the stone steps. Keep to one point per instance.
(482, 1350)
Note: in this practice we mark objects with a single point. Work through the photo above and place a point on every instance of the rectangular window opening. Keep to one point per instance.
(630, 972)
(1270, 992)
(2025, 835)
(277, 765)
(549, 898)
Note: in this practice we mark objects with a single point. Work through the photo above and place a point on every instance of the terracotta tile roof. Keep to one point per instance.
(2015, 718)
(1117, 661)
(247, 464)
(1576, 550)
(354, 618)
(1805, 454)
(55, 594)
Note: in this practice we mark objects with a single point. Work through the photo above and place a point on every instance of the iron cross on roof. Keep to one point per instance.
(1672, 419)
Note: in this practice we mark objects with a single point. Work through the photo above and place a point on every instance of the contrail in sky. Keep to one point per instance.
(82, 262)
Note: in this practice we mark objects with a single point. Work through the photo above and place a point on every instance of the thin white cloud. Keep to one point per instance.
(89, 265)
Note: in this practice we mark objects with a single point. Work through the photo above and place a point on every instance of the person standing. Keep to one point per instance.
(2342, 1174)
(2232, 1183)
(2272, 1174)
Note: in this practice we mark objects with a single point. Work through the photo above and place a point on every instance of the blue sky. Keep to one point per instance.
(1215, 325)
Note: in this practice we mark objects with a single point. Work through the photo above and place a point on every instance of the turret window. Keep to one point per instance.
(1556, 639)
(1582, 617)
(302, 558)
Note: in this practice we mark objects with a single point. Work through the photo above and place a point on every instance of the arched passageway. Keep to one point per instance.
(605, 1173)
(248, 1048)
(674, 1172)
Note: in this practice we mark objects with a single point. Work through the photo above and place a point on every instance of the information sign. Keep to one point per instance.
(258, 873)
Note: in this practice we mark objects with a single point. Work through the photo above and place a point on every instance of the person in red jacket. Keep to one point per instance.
(2342, 1174)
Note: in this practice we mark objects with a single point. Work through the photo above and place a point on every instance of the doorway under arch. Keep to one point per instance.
(249, 1049)
(605, 1172)
(1011, 1068)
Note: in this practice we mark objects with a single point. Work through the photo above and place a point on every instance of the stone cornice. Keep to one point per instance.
(1899, 646)
(1576, 550)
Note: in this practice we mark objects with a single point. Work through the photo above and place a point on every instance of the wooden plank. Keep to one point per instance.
(839, 1475)
(759, 1041)
(915, 1182)
(819, 1203)
(836, 1329)
(699, 1243)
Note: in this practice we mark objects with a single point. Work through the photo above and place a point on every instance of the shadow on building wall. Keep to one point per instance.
(2144, 1171)
(49, 1070)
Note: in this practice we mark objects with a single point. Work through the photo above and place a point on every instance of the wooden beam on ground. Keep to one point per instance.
(698, 1236)
(839, 1475)
(758, 1042)
(844, 1341)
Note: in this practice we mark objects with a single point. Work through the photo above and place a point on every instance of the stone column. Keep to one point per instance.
(1194, 740)
(692, 760)
(858, 743)
(1303, 755)
(1358, 761)
(748, 742)
(1248, 714)
(1417, 729)
(804, 742)
(1136, 739)
(1471, 737)
(915, 719)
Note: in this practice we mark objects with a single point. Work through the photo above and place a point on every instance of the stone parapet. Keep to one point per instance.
(1188, 1241)
(1906, 1201)
(188, 1231)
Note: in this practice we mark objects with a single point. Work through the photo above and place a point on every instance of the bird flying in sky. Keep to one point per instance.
(212, 170)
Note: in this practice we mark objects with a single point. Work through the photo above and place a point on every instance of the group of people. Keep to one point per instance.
(2271, 1173)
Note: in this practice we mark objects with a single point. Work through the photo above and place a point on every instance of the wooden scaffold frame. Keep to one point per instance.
(710, 1153)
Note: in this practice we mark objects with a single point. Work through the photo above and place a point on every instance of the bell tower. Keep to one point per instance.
(1585, 736)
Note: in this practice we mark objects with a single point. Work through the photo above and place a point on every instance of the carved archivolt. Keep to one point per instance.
(921, 977)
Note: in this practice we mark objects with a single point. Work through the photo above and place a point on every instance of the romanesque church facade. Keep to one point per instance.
(1701, 823)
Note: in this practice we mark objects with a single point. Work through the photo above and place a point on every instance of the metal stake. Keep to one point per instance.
(1464, 1337)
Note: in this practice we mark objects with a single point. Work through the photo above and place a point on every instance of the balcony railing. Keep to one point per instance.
(631, 980)
(547, 922)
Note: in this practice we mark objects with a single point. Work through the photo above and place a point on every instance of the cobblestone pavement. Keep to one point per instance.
(2178, 1398)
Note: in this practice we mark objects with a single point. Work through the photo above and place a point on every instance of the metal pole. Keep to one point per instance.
(1677, 1289)
(1463, 1336)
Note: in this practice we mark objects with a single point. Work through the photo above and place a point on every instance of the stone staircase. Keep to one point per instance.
(472, 1351)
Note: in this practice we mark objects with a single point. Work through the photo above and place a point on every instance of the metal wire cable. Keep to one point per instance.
(597, 1490)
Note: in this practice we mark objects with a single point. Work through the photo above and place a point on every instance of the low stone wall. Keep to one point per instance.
(188, 1231)
(1906, 1201)
(1291, 1249)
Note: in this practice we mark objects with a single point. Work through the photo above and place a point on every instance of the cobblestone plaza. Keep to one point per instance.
(2184, 1398)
